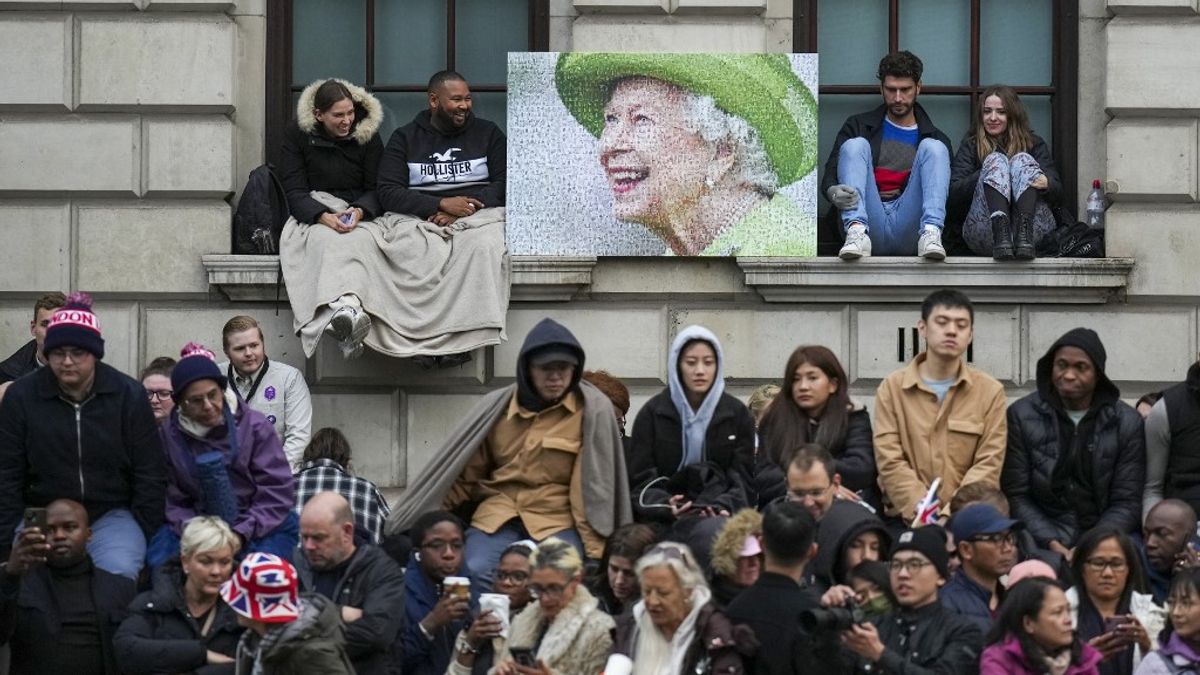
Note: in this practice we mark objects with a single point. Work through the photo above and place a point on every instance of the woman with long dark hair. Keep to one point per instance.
(615, 584)
(1003, 182)
(1034, 634)
(1111, 610)
(1180, 652)
(814, 406)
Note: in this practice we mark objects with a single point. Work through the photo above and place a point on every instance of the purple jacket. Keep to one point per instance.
(1007, 658)
(260, 475)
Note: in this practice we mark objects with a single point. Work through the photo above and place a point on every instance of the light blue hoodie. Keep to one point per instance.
(694, 422)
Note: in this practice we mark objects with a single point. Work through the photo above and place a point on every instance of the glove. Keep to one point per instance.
(843, 197)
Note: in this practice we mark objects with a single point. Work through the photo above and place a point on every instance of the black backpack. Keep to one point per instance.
(261, 214)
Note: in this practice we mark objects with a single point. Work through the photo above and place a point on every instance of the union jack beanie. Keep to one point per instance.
(75, 325)
(263, 588)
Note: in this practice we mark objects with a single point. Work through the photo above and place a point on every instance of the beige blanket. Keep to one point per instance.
(429, 290)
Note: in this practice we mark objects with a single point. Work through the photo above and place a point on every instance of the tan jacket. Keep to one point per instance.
(527, 468)
(917, 440)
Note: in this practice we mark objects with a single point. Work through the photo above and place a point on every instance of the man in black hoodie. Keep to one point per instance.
(446, 164)
(1076, 453)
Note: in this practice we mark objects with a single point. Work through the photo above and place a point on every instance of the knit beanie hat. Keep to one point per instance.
(929, 541)
(74, 325)
(263, 588)
(195, 363)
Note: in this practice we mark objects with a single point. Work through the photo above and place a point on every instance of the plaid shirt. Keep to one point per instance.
(326, 475)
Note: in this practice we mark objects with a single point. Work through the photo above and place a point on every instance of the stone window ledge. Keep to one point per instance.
(1048, 280)
(803, 280)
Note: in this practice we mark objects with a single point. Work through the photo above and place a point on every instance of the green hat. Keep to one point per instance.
(759, 88)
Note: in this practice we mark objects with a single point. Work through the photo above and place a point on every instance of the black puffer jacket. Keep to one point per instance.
(345, 168)
(657, 450)
(104, 453)
(374, 583)
(1045, 447)
(160, 636)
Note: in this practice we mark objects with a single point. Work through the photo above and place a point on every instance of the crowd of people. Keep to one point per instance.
(192, 521)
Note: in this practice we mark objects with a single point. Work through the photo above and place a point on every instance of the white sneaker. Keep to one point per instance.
(929, 246)
(858, 244)
(349, 325)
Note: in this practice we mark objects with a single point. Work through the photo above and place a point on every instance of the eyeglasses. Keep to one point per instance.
(213, 398)
(551, 591)
(512, 577)
(795, 496)
(439, 545)
(1098, 564)
(61, 354)
(160, 394)
(998, 538)
(911, 565)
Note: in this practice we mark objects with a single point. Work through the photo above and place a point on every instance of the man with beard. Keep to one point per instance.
(889, 171)
(68, 609)
(447, 163)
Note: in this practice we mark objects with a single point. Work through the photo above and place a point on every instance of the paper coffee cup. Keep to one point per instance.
(459, 586)
(499, 604)
(618, 664)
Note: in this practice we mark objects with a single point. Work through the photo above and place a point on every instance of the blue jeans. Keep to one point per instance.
(483, 549)
(118, 545)
(894, 226)
(282, 541)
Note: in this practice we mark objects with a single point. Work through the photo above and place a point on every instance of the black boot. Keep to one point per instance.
(1023, 240)
(1002, 240)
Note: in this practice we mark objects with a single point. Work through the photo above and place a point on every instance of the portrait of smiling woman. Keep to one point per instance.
(675, 154)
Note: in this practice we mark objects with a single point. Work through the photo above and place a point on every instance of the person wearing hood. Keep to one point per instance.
(1076, 452)
(181, 625)
(737, 556)
(286, 633)
(225, 460)
(329, 167)
(539, 458)
(849, 535)
(693, 446)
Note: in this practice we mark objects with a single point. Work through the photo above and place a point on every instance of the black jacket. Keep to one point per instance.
(657, 450)
(470, 162)
(345, 168)
(1045, 450)
(855, 462)
(1182, 402)
(772, 609)
(104, 453)
(844, 522)
(869, 125)
(30, 619)
(22, 362)
(926, 641)
(160, 637)
(374, 583)
(717, 641)
(964, 176)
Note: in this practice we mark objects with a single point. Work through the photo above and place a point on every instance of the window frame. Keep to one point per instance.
(279, 88)
(1064, 75)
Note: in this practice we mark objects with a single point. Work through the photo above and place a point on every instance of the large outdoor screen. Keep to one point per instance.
(662, 154)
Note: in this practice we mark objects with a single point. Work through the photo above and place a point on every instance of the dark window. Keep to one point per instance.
(391, 47)
(966, 45)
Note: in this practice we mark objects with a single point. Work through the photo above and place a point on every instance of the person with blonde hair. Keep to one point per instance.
(1003, 182)
(565, 631)
(180, 625)
(676, 625)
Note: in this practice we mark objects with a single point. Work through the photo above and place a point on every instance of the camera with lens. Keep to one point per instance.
(833, 619)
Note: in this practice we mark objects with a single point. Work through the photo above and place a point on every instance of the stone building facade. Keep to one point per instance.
(127, 126)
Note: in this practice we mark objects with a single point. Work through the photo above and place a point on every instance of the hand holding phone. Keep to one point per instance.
(36, 517)
(524, 657)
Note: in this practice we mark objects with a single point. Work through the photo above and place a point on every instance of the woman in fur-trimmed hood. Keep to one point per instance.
(333, 147)
(736, 556)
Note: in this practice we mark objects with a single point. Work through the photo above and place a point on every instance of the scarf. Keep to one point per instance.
(652, 653)
(1091, 625)
(694, 422)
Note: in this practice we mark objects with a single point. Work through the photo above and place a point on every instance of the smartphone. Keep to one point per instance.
(524, 657)
(1112, 623)
(36, 517)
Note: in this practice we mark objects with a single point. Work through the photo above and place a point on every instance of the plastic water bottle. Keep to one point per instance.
(1095, 206)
